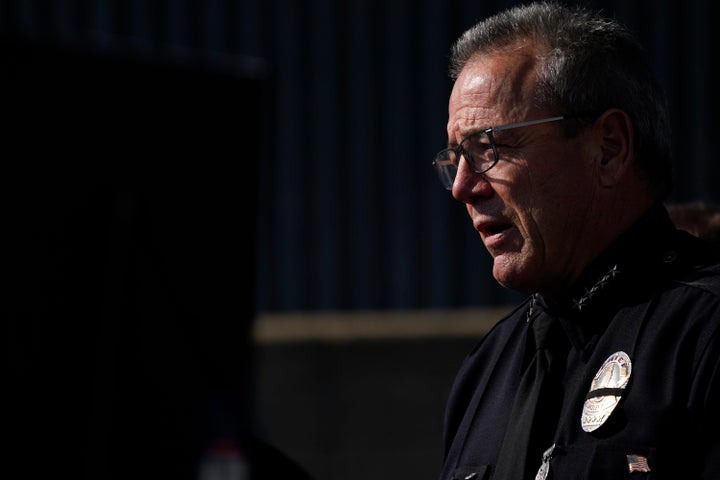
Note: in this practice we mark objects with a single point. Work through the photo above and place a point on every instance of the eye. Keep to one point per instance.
(477, 142)
(502, 140)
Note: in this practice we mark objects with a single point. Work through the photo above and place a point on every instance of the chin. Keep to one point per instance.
(510, 275)
(504, 278)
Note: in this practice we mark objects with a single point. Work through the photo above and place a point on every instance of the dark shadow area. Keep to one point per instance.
(130, 208)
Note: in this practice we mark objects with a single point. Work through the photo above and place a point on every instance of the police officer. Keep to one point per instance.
(559, 147)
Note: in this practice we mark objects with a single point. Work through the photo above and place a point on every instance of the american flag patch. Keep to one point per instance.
(637, 463)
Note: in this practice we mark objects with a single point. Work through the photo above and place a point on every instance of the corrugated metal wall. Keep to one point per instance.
(350, 214)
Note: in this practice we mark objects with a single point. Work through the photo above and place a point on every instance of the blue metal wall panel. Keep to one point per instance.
(350, 214)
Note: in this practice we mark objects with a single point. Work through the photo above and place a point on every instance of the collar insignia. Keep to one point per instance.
(599, 285)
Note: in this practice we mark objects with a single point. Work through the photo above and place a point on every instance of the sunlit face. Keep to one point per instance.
(533, 208)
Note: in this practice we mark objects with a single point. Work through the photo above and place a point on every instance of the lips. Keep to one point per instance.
(491, 228)
(494, 235)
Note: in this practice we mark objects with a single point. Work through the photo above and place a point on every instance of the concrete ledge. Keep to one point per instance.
(374, 325)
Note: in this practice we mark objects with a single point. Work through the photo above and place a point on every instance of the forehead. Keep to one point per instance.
(493, 89)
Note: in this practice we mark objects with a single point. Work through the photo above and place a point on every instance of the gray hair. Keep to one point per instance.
(590, 63)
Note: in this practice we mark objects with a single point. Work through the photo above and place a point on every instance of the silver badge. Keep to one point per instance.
(544, 469)
(606, 390)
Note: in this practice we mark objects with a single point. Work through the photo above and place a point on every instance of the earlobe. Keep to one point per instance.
(616, 145)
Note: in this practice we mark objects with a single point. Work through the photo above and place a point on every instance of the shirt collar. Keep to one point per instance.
(626, 270)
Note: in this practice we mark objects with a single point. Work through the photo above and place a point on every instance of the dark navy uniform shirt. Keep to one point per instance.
(655, 296)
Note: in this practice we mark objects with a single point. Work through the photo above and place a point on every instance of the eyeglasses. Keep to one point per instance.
(479, 150)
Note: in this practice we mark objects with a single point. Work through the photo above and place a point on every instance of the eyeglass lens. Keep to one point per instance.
(478, 151)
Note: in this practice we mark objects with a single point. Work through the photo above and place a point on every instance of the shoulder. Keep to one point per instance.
(706, 279)
(687, 311)
(505, 329)
(500, 344)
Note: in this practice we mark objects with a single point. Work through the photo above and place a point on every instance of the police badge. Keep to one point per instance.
(606, 390)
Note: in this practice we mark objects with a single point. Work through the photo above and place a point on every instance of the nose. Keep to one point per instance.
(468, 184)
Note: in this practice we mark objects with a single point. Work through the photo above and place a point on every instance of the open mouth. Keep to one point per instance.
(495, 229)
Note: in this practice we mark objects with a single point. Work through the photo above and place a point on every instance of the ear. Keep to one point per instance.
(617, 154)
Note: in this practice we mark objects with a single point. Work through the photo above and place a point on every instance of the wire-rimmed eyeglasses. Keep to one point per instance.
(479, 150)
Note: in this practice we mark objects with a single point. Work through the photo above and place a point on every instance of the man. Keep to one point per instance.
(610, 369)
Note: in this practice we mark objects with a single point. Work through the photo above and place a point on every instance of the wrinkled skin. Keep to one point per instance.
(552, 203)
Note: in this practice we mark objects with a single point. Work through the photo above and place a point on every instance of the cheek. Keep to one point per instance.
(555, 217)
(543, 203)
(531, 226)
(557, 181)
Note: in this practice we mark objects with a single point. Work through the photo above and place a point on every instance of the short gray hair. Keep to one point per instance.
(590, 63)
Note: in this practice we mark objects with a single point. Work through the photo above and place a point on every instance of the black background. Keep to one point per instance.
(130, 209)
